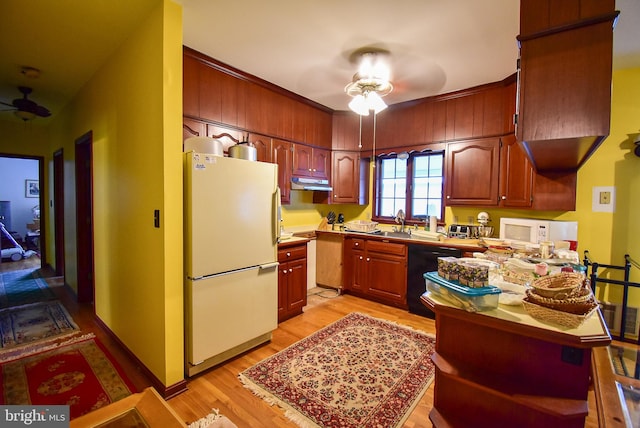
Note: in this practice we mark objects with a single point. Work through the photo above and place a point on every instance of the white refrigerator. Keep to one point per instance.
(231, 217)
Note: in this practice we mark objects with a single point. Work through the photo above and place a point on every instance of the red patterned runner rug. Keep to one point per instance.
(82, 375)
(357, 372)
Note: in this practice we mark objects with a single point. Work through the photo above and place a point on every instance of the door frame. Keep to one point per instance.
(58, 211)
(84, 217)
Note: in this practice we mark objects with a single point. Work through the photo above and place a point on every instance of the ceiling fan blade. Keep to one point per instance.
(7, 104)
(41, 111)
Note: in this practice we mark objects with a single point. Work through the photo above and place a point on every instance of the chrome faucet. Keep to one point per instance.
(400, 219)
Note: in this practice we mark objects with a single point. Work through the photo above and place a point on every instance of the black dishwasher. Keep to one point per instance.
(423, 258)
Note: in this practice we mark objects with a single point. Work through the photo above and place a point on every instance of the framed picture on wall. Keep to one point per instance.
(31, 188)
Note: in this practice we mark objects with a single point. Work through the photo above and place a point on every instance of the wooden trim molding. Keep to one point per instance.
(190, 130)
(572, 26)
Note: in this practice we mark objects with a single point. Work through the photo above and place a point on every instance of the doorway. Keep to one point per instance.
(84, 217)
(21, 203)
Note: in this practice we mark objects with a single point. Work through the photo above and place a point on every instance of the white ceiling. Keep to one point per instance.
(304, 46)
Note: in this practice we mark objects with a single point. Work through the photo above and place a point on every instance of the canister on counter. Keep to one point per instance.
(546, 249)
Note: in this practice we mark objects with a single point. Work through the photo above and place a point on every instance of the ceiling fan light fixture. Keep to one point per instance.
(25, 115)
(369, 85)
(375, 102)
(359, 105)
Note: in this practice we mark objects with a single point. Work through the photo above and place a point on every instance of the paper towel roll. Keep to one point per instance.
(433, 224)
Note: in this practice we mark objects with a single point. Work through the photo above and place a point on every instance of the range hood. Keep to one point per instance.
(300, 183)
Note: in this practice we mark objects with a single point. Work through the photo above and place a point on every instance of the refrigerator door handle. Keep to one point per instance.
(269, 265)
(277, 215)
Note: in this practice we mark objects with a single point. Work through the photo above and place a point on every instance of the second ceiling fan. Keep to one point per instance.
(25, 108)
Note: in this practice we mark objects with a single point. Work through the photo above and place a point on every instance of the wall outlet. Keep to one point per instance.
(604, 199)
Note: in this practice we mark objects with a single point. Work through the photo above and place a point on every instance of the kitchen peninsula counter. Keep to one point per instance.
(510, 369)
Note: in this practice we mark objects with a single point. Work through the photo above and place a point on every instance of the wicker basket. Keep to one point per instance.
(558, 286)
(579, 305)
(558, 317)
(361, 225)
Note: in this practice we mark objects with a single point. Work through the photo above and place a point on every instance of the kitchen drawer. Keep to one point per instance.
(292, 253)
(390, 248)
(357, 244)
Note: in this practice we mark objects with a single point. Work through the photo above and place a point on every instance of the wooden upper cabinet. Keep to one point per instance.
(484, 111)
(302, 160)
(321, 163)
(345, 131)
(537, 16)
(460, 115)
(472, 172)
(282, 155)
(210, 94)
(564, 107)
(349, 180)
(263, 147)
(492, 172)
(190, 87)
(516, 175)
(509, 107)
(438, 122)
(311, 162)
(345, 177)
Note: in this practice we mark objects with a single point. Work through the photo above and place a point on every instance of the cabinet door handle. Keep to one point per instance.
(290, 270)
(288, 254)
(503, 197)
(356, 244)
(284, 271)
(368, 258)
(360, 257)
(448, 197)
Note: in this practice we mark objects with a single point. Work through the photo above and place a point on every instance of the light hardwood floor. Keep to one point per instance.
(220, 388)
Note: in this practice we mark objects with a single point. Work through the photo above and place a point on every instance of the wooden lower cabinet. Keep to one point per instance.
(292, 279)
(376, 270)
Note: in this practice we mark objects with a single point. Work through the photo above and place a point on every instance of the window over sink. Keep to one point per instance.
(412, 183)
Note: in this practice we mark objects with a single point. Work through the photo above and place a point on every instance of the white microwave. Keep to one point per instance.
(536, 231)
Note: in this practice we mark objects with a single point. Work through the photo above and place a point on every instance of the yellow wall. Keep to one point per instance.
(135, 111)
(303, 212)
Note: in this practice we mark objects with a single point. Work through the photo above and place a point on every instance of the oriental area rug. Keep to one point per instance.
(33, 324)
(23, 286)
(357, 372)
(82, 375)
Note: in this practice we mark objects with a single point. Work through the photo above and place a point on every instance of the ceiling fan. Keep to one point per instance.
(25, 108)
(371, 82)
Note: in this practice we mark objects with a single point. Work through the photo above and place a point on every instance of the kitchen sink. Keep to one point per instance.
(403, 235)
